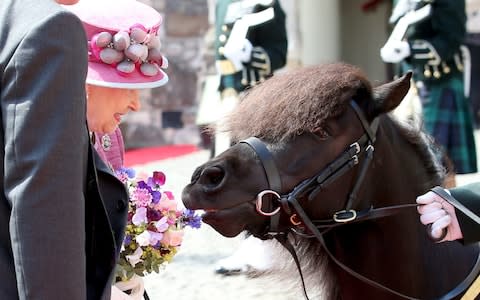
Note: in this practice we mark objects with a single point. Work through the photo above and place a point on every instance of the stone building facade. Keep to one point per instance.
(165, 110)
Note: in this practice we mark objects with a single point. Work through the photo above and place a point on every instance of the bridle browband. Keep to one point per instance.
(310, 187)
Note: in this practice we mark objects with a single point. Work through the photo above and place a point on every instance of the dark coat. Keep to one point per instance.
(469, 196)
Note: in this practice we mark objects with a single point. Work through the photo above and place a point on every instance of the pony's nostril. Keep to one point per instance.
(213, 176)
(196, 175)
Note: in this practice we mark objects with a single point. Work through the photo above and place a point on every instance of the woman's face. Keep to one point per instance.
(107, 106)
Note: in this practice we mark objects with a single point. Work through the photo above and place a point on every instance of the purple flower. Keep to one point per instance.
(156, 195)
(191, 219)
(125, 173)
(130, 172)
(143, 185)
(127, 240)
(140, 216)
(162, 225)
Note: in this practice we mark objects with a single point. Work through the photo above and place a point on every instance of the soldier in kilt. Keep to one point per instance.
(432, 48)
(250, 44)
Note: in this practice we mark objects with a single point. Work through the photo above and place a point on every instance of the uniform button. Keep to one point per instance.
(222, 38)
(121, 205)
(224, 28)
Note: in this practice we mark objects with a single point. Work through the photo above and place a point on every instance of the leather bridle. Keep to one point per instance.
(309, 188)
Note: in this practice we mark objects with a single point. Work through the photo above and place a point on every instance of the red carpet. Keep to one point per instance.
(146, 155)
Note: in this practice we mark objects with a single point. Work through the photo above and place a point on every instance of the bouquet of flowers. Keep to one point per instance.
(155, 225)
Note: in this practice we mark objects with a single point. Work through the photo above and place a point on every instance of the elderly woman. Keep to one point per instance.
(123, 57)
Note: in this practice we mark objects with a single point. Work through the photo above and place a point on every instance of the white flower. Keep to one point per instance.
(134, 258)
(143, 239)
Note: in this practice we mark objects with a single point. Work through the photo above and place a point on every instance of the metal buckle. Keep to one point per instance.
(355, 159)
(294, 220)
(258, 205)
(357, 147)
(344, 216)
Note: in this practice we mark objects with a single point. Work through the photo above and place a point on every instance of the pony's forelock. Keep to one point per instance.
(296, 102)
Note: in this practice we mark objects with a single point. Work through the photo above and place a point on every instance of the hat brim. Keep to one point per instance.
(105, 75)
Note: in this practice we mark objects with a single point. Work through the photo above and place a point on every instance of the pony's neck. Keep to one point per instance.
(404, 163)
(401, 170)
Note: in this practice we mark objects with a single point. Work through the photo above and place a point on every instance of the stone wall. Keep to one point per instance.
(167, 111)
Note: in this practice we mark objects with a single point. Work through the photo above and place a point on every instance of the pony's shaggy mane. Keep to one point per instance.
(303, 99)
(430, 153)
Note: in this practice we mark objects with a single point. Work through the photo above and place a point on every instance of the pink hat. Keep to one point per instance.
(123, 43)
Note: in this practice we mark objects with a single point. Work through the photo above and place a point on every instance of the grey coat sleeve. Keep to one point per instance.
(43, 110)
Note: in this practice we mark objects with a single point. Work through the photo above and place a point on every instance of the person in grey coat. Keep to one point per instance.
(58, 200)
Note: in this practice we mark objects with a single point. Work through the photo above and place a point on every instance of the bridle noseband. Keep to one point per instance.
(310, 187)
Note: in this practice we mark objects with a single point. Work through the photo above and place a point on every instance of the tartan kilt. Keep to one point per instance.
(448, 117)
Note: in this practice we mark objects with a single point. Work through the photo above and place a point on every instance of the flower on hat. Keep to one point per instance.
(137, 48)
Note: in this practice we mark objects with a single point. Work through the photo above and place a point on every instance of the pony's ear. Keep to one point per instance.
(389, 95)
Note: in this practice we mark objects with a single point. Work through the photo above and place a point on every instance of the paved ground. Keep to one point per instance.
(191, 274)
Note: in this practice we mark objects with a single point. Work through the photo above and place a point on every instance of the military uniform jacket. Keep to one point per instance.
(435, 41)
(269, 40)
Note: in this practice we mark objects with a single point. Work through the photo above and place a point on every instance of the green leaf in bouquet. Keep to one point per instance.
(156, 268)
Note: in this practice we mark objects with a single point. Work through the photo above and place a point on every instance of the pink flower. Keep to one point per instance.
(169, 195)
(159, 178)
(141, 197)
(172, 237)
(166, 204)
